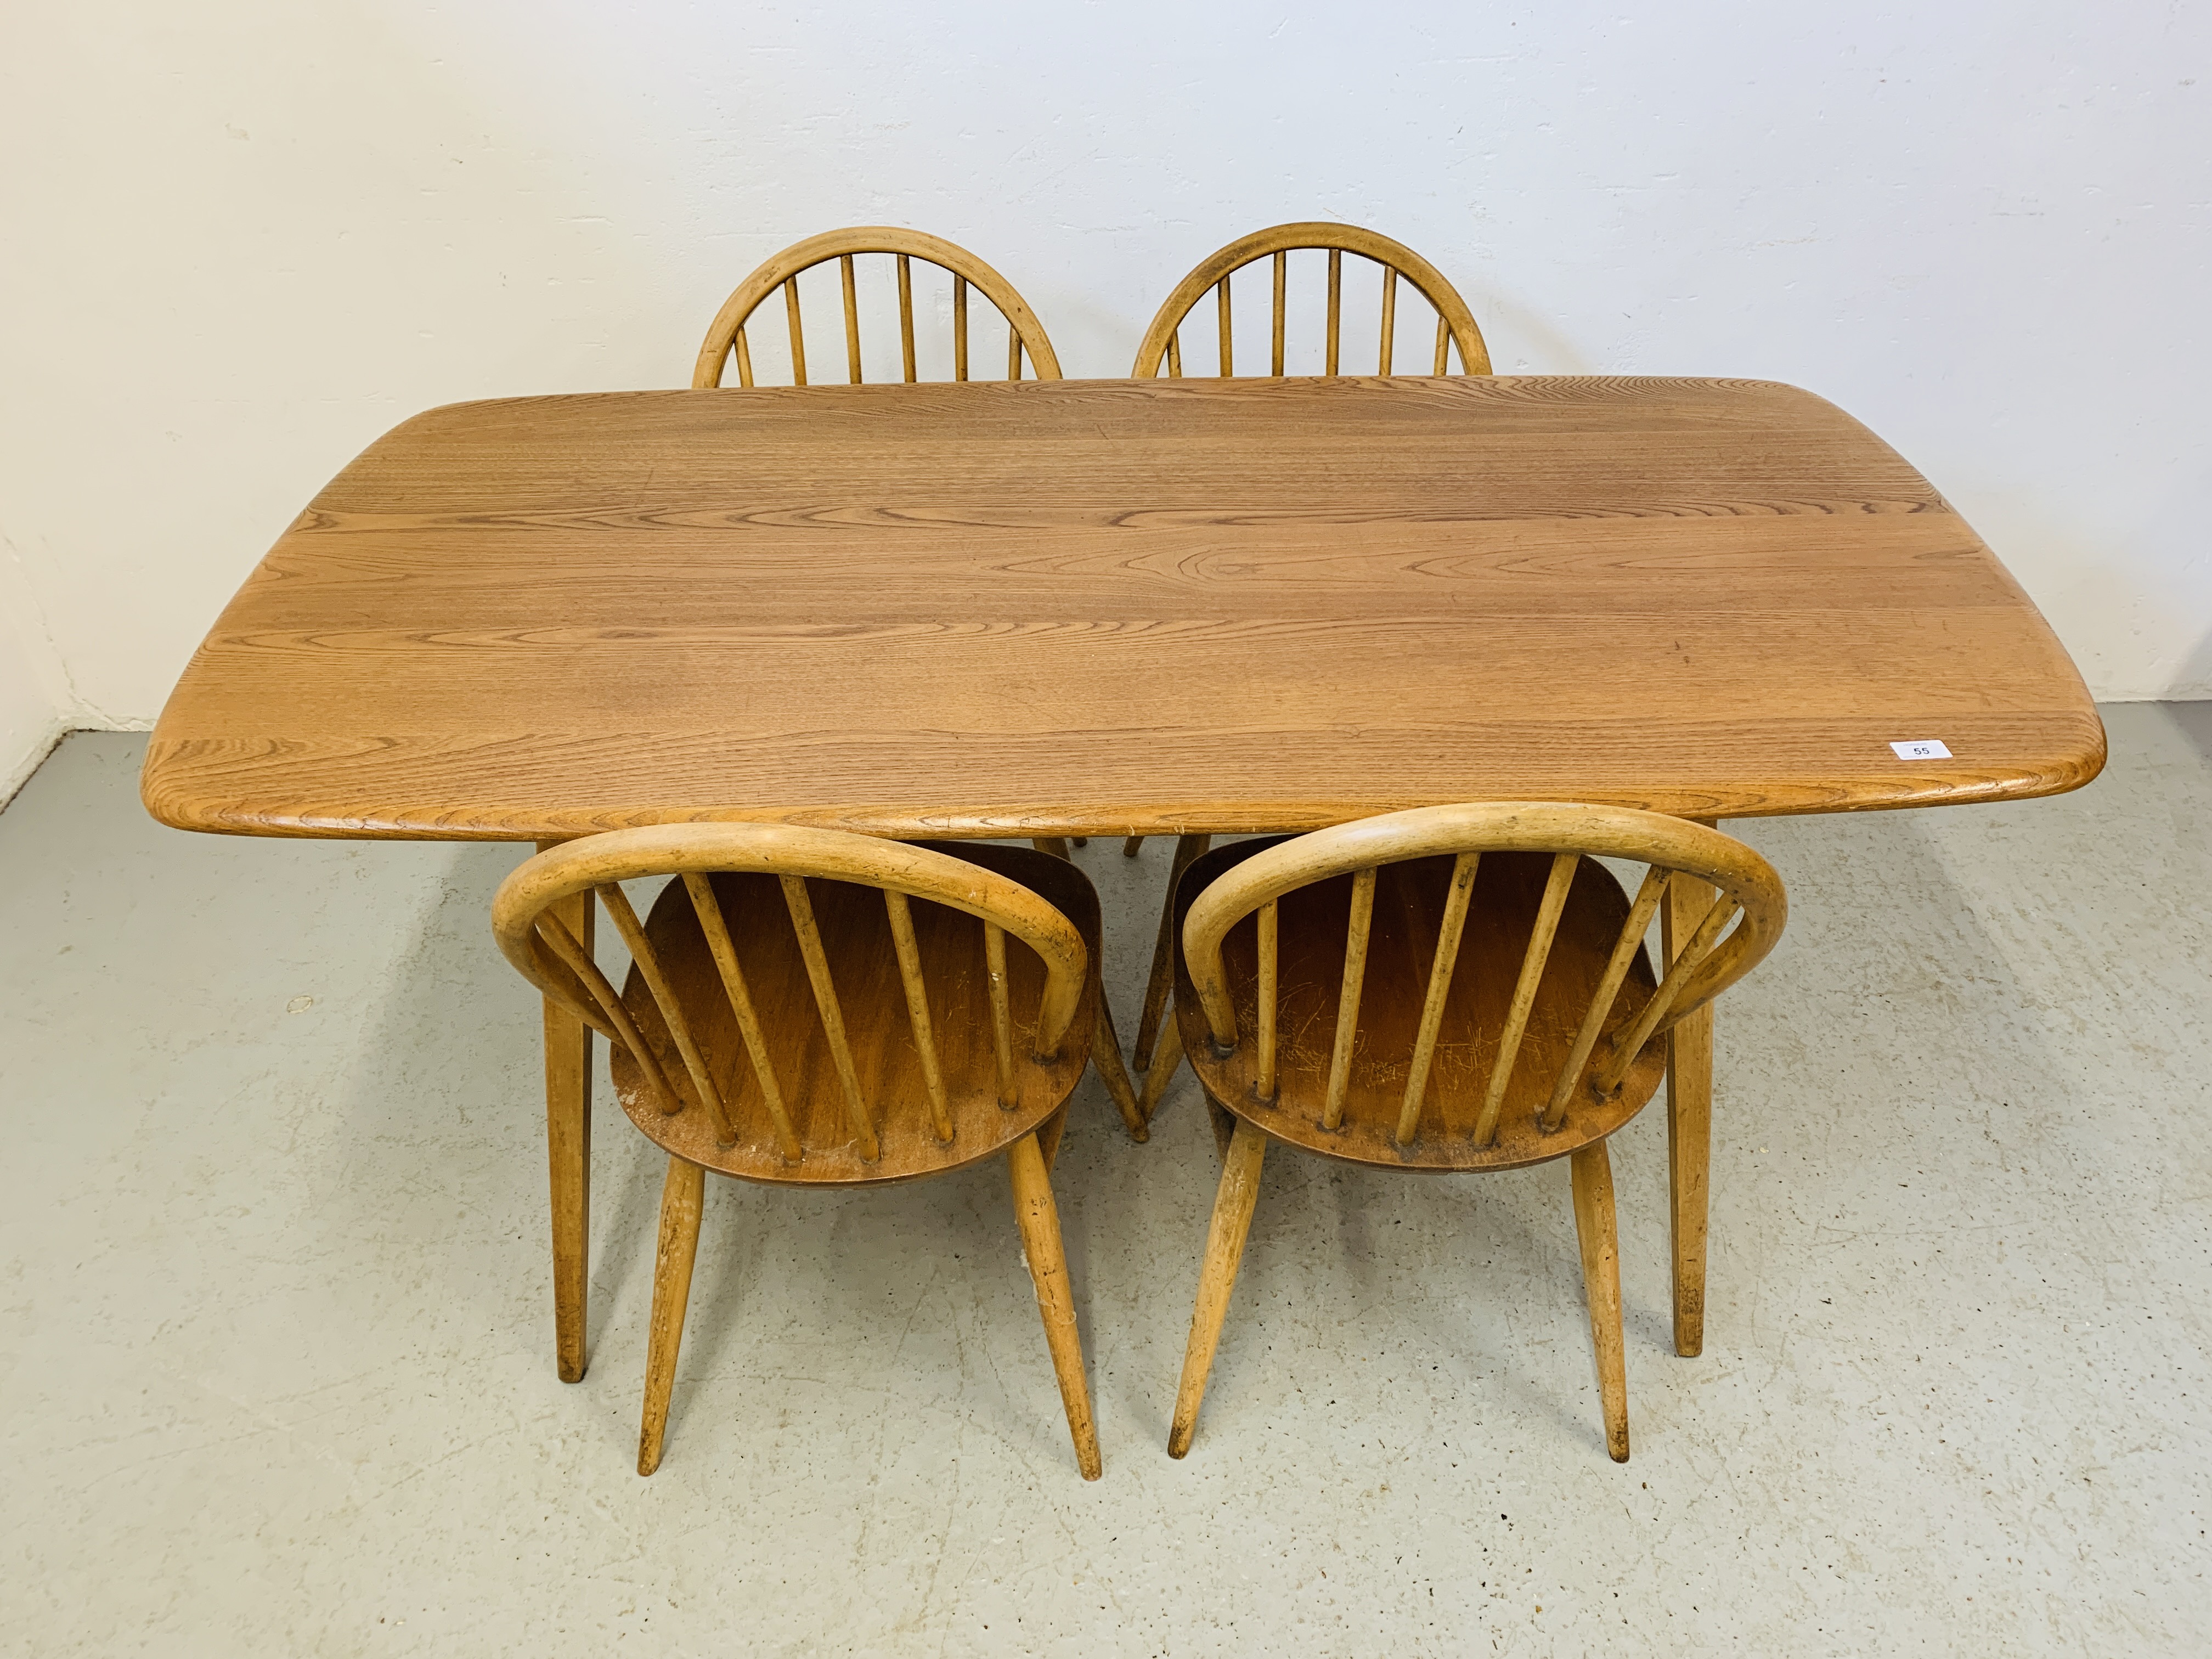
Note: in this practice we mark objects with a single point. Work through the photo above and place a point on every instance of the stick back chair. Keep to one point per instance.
(1162, 349)
(809, 1007)
(727, 339)
(1162, 346)
(1450, 988)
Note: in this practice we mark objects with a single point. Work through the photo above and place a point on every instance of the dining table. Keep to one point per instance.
(1116, 608)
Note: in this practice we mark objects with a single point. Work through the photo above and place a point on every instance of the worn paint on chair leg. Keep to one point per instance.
(1689, 1126)
(568, 1156)
(1592, 1176)
(1038, 1218)
(1217, 1276)
(681, 1195)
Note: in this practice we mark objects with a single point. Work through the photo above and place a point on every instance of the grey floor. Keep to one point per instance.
(275, 1370)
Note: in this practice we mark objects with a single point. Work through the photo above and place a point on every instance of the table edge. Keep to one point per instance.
(178, 811)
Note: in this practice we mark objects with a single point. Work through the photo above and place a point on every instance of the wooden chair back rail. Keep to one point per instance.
(1270, 977)
(534, 937)
(1433, 1007)
(833, 1017)
(617, 904)
(1456, 324)
(727, 337)
(716, 928)
(1002, 1017)
(1713, 959)
(917, 1011)
(1356, 930)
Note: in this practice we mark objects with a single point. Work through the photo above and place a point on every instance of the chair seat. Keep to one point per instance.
(857, 942)
(1409, 905)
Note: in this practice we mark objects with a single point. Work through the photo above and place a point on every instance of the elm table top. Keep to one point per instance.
(1115, 607)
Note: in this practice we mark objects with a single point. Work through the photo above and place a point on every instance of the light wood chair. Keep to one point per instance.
(1456, 324)
(726, 338)
(1162, 348)
(808, 1007)
(1450, 988)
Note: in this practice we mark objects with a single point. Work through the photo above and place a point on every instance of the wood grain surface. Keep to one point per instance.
(1115, 608)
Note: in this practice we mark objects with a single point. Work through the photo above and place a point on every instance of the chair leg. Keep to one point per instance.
(1079, 840)
(1049, 1133)
(680, 1197)
(1130, 844)
(1055, 845)
(1105, 1045)
(1592, 1175)
(1187, 848)
(1162, 1074)
(1106, 1057)
(1689, 1127)
(1224, 1125)
(568, 1156)
(1038, 1218)
(1224, 1251)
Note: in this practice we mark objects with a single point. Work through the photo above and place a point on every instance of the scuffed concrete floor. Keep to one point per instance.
(276, 1373)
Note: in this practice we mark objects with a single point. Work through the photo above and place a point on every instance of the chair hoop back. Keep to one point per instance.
(550, 956)
(1711, 960)
(1456, 324)
(726, 334)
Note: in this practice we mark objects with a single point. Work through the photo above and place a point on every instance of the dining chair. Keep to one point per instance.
(725, 337)
(1454, 989)
(1161, 347)
(812, 1008)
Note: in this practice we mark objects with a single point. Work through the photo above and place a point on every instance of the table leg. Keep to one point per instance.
(568, 1156)
(1689, 1125)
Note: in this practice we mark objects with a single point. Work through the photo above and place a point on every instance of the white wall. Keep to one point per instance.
(35, 708)
(244, 238)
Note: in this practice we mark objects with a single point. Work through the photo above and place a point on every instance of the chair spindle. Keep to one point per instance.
(1389, 319)
(1221, 310)
(906, 317)
(1336, 305)
(1269, 971)
(592, 1004)
(612, 1022)
(1002, 1015)
(716, 928)
(960, 328)
(1443, 344)
(1348, 999)
(672, 1009)
(801, 907)
(1175, 356)
(1648, 898)
(1440, 978)
(798, 334)
(1653, 1020)
(917, 1009)
(1013, 354)
(1524, 992)
(1282, 285)
(851, 320)
(745, 359)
